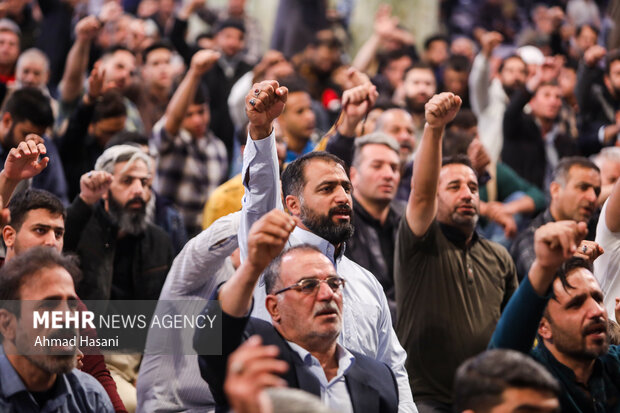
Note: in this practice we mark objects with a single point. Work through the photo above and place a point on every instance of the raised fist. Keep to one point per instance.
(441, 109)
(263, 104)
(203, 60)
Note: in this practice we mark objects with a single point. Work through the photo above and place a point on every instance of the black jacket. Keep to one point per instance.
(371, 384)
(524, 147)
(93, 237)
(597, 108)
(366, 249)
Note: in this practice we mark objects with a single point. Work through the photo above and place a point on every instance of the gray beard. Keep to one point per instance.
(129, 222)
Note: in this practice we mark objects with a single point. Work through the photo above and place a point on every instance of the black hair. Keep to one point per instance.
(30, 104)
(18, 271)
(612, 56)
(163, 44)
(434, 38)
(561, 171)
(458, 63)
(25, 201)
(110, 104)
(127, 138)
(293, 178)
(457, 159)
(481, 380)
(507, 58)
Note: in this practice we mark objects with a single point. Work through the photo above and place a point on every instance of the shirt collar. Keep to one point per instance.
(345, 357)
(456, 236)
(11, 383)
(563, 369)
(327, 248)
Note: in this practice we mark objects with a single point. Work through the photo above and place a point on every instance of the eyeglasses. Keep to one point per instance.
(311, 285)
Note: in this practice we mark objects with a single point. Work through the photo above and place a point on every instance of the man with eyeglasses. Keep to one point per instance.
(305, 302)
(317, 193)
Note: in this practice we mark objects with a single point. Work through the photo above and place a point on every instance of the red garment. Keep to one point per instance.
(94, 364)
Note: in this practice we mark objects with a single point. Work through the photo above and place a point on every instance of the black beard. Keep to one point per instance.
(413, 106)
(130, 221)
(324, 226)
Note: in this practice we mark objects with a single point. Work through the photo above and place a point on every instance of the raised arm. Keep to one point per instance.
(480, 75)
(554, 243)
(22, 163)
(202, 61)
(261, 172)
(77, 59)
(422, 205)
(265, 241)
(356, 102)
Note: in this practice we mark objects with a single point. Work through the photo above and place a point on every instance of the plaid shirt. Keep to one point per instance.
(188, 171)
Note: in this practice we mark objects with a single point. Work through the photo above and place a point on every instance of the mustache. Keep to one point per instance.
(327, 308)
(595, 326)
(138, 200)
(343, 209)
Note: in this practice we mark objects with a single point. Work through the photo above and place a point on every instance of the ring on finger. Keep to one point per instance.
(584, 249)
(253, 102)
(256, 92)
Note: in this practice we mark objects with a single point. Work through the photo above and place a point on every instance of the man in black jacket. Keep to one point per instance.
(375, 175)
(304, 299)
(109, 216)
(535, 142)
(598, 96)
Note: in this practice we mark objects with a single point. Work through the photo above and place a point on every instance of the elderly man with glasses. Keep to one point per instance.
(304, 300)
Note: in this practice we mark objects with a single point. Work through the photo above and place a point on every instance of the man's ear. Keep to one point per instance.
(352, 174)
(554, 189)
(293, 205)
(544, 329)
(8, 324)
(271, 303)
(8, 234)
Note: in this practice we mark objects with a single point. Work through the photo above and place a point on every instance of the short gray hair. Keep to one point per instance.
(35, 53)
(611, 154)
(121, 153)
(375, 138)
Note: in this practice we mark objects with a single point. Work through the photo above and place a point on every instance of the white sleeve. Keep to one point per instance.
(261, 179)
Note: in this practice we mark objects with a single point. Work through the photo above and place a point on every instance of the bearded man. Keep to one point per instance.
(109, 216)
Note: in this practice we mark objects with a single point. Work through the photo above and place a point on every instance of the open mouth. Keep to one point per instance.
(596, 330)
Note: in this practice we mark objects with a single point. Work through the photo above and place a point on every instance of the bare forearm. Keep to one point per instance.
(73, 76)
(7, 186)
(366, 53)
(421, 208)
(524, 204)
(175, 112)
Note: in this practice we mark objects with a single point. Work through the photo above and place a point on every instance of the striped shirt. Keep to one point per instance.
(188, 171)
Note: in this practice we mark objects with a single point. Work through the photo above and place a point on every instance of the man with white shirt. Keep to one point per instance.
(305, 304)
(608, 237)
(317, 192)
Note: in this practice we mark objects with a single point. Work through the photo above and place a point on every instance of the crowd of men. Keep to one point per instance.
(429, 230)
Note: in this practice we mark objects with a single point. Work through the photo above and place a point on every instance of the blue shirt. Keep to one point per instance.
(366, 323)
(334, 392)
(75, 392)
(291, 156)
